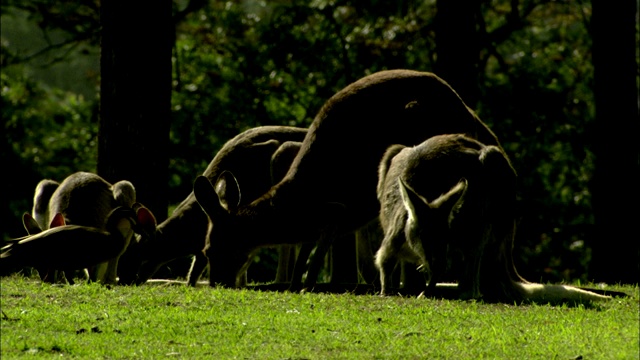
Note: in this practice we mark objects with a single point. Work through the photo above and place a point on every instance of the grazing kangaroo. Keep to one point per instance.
(70, 247)
(184, 233)
(452, 198)
(330, 189)
(86, 199)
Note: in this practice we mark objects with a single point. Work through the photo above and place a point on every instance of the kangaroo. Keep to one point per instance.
(184, 233)
(86, 199)
(330, 189)
(451, 199)
(66, 247)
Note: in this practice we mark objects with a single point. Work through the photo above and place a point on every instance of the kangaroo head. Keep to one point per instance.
(228, 191)
(218, 201)
(124, 193)
(221, 203)
(121, 220)
(142, 222)
(145, 221)
(428, 226)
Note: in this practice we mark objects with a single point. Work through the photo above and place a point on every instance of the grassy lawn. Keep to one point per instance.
(157, 322)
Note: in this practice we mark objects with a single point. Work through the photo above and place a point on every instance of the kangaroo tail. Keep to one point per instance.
(540, 293)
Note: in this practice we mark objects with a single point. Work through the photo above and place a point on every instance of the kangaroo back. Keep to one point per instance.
(83, 199)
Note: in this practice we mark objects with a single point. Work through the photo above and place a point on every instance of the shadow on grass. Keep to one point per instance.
(448, 291)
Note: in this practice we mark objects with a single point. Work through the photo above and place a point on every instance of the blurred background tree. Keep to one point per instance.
(525, 66)
(616, 245)
(135, 97)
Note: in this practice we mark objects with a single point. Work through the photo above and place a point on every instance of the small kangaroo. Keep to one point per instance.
(184, 233)
(330, 189)
(451, 199)
(86, 199)
(70, 247)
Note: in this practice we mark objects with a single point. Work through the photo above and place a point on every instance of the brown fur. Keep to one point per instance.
(330, 189)
(40, 212)
(184, 233)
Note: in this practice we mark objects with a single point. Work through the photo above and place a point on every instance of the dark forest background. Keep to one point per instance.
(165, 84)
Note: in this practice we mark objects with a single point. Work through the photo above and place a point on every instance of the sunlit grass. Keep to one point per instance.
(152, 322)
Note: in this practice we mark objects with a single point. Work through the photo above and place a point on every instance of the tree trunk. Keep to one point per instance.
(616, 183)
(457, 46)
(135, 97)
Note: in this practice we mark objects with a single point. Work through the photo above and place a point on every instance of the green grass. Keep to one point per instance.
(157, 322)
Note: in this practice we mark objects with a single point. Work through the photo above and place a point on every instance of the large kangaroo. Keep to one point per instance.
(249, 156)
(330, 189)
(86, 199)
(451, 199)
(71, 247)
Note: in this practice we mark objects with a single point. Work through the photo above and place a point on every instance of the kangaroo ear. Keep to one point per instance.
(144, 216)
(206, 195)
(145, 221)
(448, 202)
(453, 199)
(30, 224)
(413, 202)
(58, 220)
(228, 191)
